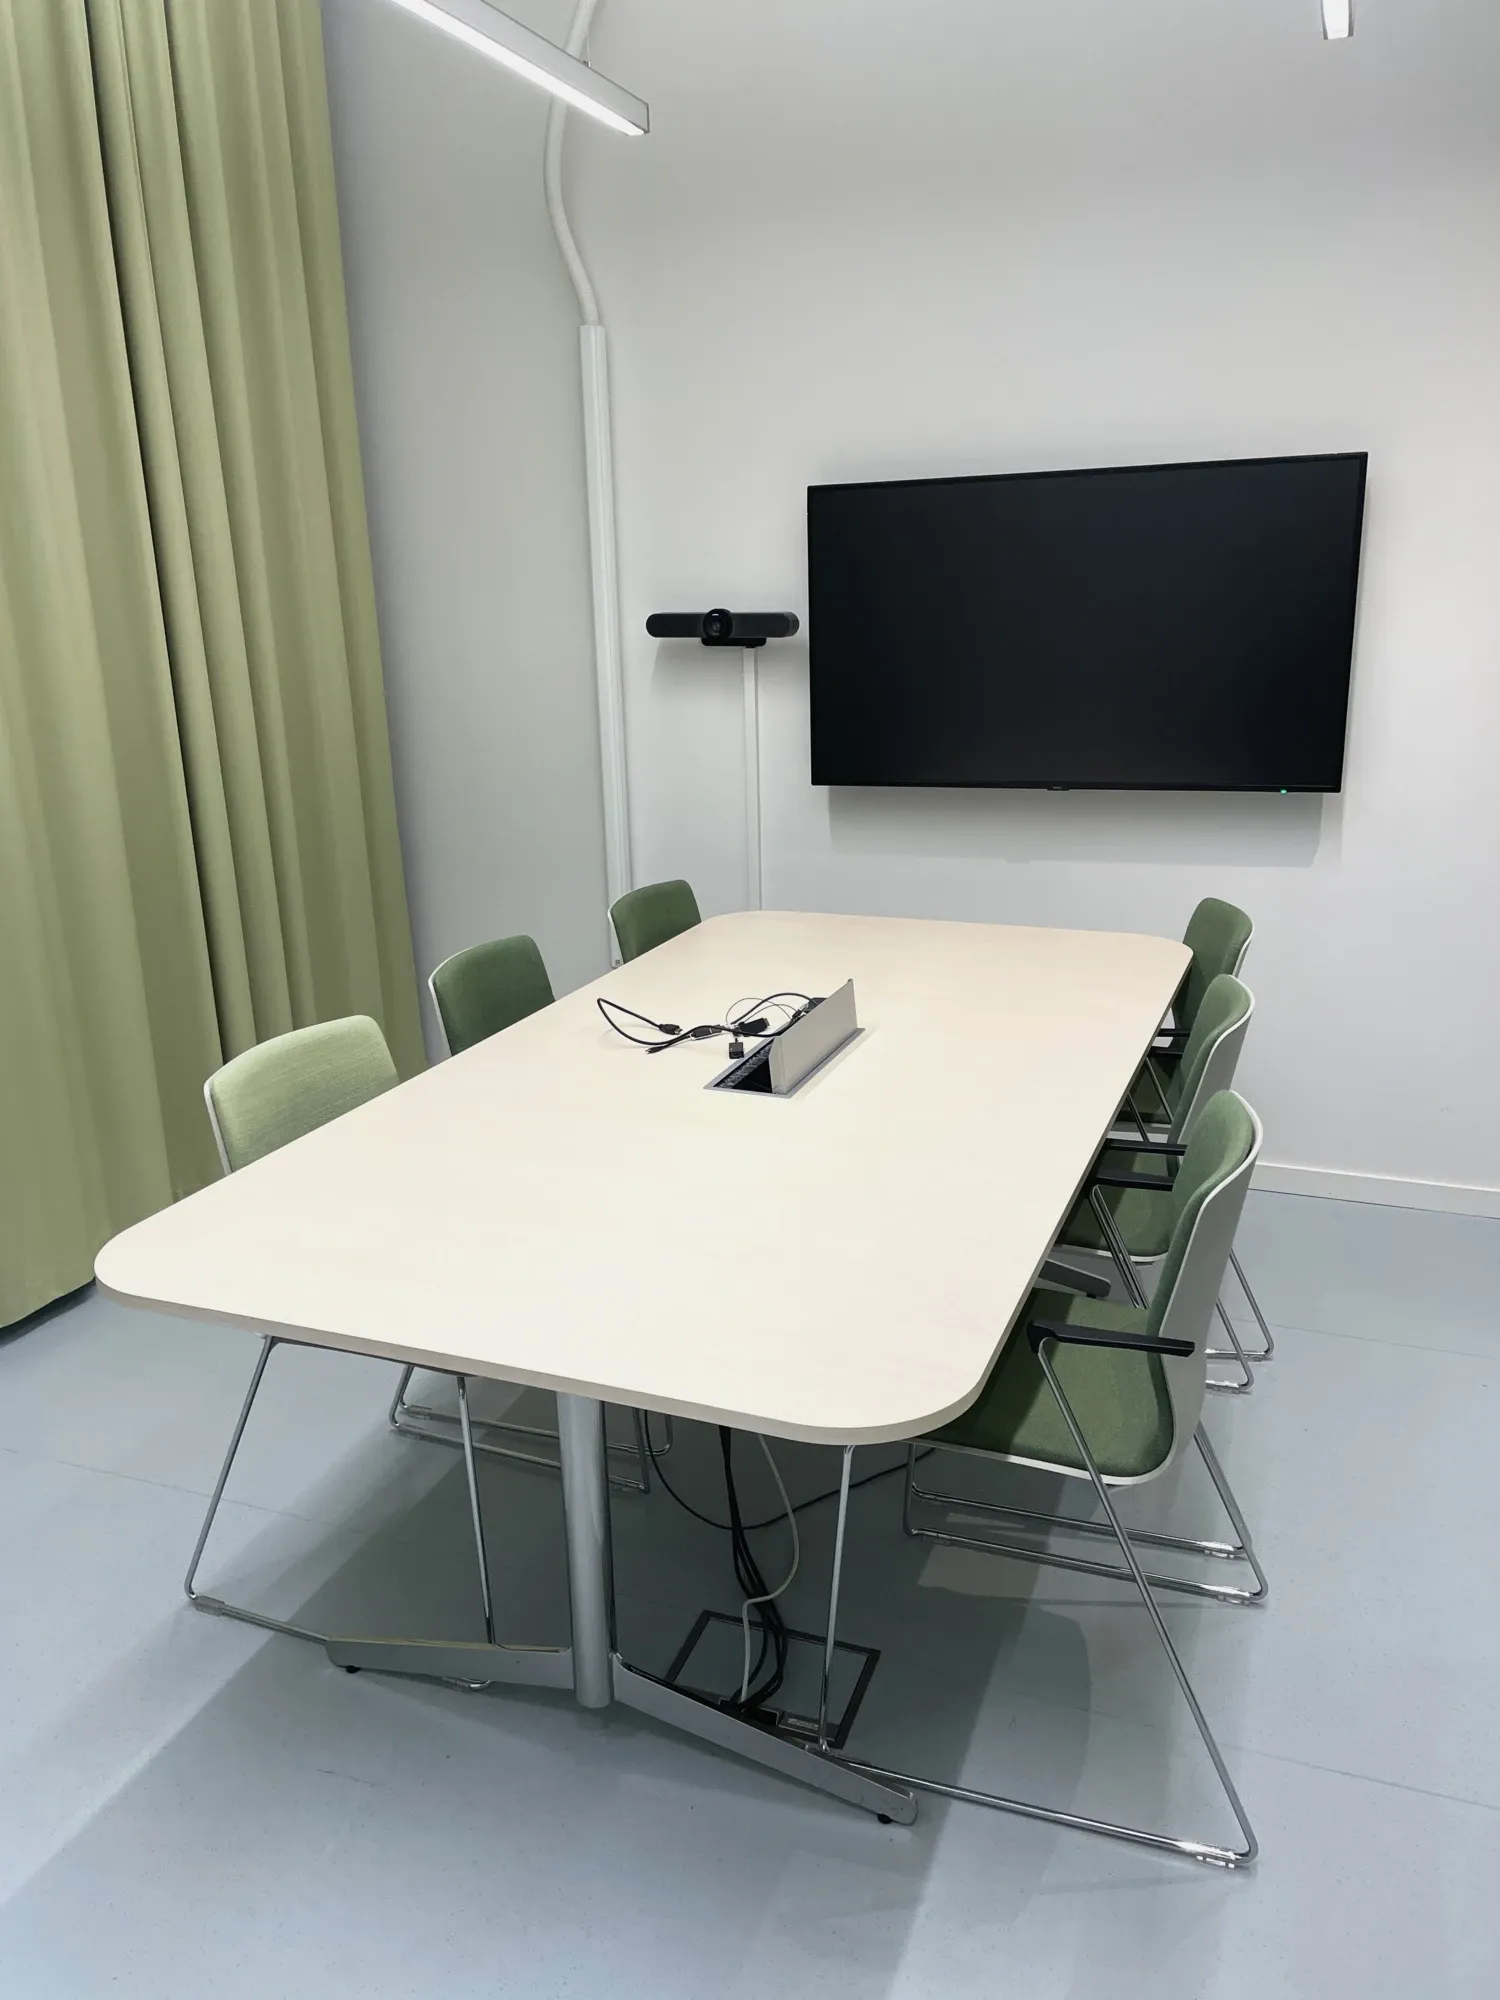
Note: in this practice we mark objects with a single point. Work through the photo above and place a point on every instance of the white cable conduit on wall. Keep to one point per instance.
(599, 457)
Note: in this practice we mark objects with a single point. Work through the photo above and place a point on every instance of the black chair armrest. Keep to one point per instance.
(1168, 1149)
(1057, 1276)
(1162, 1185)
(1102, 1336)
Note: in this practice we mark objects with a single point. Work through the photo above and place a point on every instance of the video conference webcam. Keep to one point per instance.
(724, 628)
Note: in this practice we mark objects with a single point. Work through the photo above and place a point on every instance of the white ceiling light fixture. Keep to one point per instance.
(490, 33)
(1338, 20)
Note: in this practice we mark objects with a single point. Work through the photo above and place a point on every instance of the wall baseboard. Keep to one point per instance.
(1450, 1197)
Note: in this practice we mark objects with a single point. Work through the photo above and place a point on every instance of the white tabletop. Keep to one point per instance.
(557, 1208)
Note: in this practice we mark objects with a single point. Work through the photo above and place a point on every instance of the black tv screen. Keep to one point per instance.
(1165, 627)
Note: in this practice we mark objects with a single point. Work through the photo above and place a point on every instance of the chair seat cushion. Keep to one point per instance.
(1120, 1398)
(1143, 1218)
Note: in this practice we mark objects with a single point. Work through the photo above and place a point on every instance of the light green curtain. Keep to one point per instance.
(198, 844)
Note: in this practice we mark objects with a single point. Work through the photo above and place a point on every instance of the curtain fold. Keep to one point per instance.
(198, 843)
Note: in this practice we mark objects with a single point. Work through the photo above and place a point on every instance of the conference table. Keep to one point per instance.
(559, 1209)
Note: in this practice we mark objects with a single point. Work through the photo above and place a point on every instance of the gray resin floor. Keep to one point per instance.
(191, 1808)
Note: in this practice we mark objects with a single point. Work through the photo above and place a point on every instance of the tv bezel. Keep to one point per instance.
(1361, 458)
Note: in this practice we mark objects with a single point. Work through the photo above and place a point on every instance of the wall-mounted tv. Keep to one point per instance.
(1163, 628)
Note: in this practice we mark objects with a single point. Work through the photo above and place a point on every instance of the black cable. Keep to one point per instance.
(746, 1570)
(774, 1636)
(751, 1022)
(802, 1506)
(661, 1027)
(767, 1000)
(670, 1035)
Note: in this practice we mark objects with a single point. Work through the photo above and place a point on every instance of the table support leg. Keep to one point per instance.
(591, 1589)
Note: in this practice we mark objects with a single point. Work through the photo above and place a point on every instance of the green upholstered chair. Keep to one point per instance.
(1218, 935)
(273, 1094)
(1131, 1224)
(1112, 1393)
(287, 1087)
(1210, 1051)
(645, 918)
(488, 987)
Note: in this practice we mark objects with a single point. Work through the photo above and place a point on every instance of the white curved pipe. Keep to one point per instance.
(604, 562)
(562, 229)
(599, 462)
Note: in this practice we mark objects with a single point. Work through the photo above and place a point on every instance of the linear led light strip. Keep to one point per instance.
(1338, 20)
(485, 29)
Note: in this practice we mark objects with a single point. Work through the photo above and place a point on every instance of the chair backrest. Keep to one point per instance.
(289, 1086)
(488, 987)
(1207, 1201)
(647, 917)
(1218, 935)
(1212, 1052)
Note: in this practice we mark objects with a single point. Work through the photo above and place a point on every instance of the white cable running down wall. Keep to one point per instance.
(598, 450)
(597, 433)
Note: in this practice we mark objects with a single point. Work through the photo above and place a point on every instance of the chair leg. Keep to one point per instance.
(1195, 1850)
(1135, 1116)
(216, 1605)
(833, 1596)
(201, 1601)
(1233, 1352)
(397, 1411)
(472, 1475)
(1241, 1550)
(1224, 1857)
(1161, 1096)
(1120, 1257)
(1231, 1506)
(1269, 1348)
(1130, 1278)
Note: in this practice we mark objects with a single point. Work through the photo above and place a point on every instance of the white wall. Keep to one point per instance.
(465, 337)
(872, 238)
